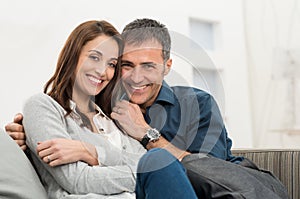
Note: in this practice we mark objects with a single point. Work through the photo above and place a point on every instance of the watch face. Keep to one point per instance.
(153, 134)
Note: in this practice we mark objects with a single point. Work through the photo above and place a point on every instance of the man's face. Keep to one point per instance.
(143, 71)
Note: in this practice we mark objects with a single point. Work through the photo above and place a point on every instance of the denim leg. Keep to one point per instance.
(162, 176)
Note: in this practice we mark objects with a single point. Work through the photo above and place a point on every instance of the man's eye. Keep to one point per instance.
(126, 66)
(148, 66)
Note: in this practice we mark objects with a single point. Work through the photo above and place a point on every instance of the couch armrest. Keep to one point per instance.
(283, 163)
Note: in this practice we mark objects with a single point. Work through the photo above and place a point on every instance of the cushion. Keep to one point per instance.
(18, 178)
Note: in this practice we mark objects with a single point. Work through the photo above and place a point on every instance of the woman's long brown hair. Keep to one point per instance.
(60, 85)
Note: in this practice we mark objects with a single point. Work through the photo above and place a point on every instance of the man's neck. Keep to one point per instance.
(143, 109)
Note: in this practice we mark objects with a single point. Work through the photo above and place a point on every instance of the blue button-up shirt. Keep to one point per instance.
(190, 119)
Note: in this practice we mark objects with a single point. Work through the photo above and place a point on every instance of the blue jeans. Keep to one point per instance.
(162, 176)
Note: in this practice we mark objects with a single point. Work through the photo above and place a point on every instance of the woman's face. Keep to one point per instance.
(96, 66)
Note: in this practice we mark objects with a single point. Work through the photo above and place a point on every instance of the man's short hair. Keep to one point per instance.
(141, 30)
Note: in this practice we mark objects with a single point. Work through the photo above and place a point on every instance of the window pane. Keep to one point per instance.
(202, 33)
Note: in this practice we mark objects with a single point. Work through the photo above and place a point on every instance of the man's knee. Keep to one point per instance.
(155, 159)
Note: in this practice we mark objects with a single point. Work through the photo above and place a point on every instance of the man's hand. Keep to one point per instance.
(16, 131)
(163, 143)
(130, 118)
(63, 151)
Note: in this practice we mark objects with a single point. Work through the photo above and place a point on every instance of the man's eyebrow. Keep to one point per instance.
(143, 63)
(148, 63)
(126, 62)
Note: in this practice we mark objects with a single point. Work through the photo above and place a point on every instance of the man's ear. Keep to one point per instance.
(168, 66)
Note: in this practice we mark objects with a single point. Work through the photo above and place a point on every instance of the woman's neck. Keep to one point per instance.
(82, 103)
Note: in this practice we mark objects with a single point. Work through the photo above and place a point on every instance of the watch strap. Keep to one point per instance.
(145, 140)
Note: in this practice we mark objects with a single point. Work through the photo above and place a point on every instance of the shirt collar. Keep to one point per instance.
(166, 94)
(100, 112)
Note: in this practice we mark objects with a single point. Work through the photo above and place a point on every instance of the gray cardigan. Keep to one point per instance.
(45, 119)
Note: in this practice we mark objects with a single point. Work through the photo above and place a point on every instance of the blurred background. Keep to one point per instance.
(245, 52)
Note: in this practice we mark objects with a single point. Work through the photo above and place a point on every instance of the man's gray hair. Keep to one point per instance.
(141, 30)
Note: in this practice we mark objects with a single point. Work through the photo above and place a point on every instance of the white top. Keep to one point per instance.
(105, 126)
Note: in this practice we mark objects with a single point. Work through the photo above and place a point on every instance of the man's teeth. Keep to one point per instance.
(98, 81)
(138, 87)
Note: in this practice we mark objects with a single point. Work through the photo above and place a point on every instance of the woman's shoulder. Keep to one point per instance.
(40, 99)
(41, 105)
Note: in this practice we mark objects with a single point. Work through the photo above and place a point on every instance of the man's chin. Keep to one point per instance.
(137, 100)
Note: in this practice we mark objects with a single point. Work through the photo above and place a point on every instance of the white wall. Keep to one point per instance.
(33, 32)
(273, 28)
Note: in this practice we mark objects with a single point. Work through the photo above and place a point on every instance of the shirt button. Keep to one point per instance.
(124, 147)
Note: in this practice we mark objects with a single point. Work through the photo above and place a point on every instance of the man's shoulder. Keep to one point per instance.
(189, 91)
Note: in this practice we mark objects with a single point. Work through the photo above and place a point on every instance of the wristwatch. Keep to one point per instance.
(151, 135)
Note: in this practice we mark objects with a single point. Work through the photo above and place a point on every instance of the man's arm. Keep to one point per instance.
(206, 127)
(163, 143)
(16, 131)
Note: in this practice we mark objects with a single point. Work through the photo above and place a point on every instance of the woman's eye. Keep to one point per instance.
(93, 57)
(113, 65)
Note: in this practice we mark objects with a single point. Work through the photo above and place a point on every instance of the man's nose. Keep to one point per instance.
(136, 75)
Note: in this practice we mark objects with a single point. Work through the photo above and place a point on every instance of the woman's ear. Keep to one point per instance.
(168, 66)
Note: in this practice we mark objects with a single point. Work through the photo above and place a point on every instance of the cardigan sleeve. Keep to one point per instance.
(43, 120)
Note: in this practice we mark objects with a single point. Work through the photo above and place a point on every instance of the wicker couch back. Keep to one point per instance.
(283, 163)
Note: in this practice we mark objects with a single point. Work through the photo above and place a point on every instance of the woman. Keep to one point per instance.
(76, 148)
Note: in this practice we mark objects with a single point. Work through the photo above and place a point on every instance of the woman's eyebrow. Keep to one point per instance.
(99, 53)
(96, 51)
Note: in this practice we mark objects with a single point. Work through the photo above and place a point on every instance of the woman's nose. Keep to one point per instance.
(101, 68)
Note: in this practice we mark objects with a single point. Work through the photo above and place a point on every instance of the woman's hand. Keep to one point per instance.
(61, 151)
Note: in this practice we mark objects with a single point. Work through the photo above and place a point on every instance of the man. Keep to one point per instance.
(188, 119)
(192, 121)
(183, 120)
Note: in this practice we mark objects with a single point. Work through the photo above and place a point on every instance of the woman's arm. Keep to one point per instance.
(61, 151)
(44, 120)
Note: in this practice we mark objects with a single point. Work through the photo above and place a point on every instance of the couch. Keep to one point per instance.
(19, 180)
(283, 163)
